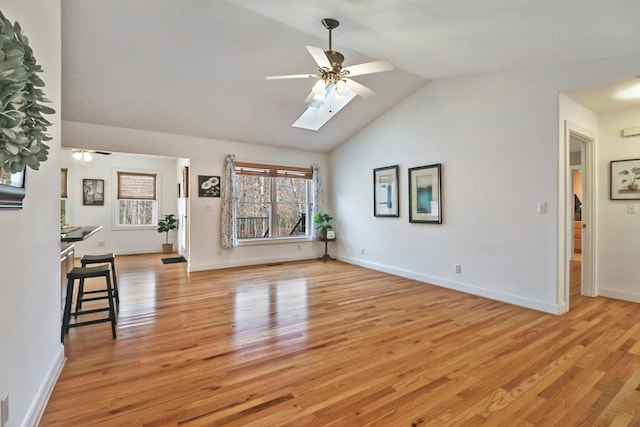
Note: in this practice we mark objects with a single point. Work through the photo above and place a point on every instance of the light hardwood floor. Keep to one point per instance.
(331, 344)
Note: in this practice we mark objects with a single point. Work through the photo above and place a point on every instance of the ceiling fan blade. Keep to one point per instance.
(293, 76)
(320, 57)
(106, 153)
(368, 68)
(359, 89)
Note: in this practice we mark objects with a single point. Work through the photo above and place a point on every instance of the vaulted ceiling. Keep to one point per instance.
(197, 67)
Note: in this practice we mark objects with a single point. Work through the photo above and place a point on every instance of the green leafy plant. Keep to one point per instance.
(22, 126)
(322, 221)
(165, 225)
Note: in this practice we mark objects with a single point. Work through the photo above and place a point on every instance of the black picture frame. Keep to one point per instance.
(425, 194)
(12, 189)
(385, 192)
(624, 179)
(208, 186)
(93, 192)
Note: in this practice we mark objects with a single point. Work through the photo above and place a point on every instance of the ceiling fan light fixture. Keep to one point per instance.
(342, 88)
(83, 156)
(319, 90)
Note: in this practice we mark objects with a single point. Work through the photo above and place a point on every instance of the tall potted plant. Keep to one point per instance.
(165, 225)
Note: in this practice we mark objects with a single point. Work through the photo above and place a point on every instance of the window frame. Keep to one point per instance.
(116, 195)
(273, 172)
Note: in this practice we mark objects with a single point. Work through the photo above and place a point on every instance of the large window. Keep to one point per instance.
(136, 204)
(272, 201)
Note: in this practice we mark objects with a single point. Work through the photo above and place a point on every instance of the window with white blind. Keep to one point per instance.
(136, 200)
(272, 201)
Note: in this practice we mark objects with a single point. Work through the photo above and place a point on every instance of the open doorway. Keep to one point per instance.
(579, 218)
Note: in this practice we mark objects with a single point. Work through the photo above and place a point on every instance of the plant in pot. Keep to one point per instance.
(165, 225)
(630, 178)
(323, 223)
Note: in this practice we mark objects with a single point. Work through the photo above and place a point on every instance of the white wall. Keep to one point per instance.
(206, 157)
(30, 351)
(496, 136)
(618, 230)
(111, 238)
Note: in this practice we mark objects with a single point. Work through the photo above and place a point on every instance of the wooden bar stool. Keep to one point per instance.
(82, 273)
(98, 259)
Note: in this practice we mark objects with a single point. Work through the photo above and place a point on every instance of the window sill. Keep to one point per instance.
(274, 240)
(133, 227)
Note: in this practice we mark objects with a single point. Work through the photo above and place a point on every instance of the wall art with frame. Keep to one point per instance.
(385, 191)
(625, 179)
(93, 192)
(208, 186)
(12, 189)
(425, 194)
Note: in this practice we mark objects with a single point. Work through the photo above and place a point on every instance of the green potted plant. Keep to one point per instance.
(323, 221)
(165, 225)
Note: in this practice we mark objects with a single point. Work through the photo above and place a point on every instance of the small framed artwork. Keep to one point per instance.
(425, 194)
(331, 234)
(93, 192)
(625, 179)
(12, 189)
(208, 186)
(385, 191)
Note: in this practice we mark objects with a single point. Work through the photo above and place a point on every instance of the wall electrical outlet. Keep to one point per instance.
(632, 209)
(4, 410)
(458, 268)
(362, 251)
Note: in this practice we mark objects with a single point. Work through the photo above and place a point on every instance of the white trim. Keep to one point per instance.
(621, 295)
(247, 262)
(565, 221)
(39, 404)
(533, 304)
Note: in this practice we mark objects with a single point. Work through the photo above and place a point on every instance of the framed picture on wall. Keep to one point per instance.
(385, 191)
(625, 179)
(93, 192)
(208, 186)
(12, 189)
(425, 194)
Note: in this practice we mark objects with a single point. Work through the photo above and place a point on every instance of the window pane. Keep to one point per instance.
(292, 219)
(253, 189)
(292, 190)
(136, 212)
(252, 220)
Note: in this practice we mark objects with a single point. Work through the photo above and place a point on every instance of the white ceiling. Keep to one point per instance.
(197, 67)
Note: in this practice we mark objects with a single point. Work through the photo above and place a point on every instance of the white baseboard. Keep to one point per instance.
(247, 262)
(618, 294)
(533, 304)
(39, 404)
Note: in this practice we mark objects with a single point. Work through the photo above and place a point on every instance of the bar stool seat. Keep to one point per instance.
(109, 258)
(82, 273)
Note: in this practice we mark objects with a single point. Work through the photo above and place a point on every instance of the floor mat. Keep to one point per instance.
(173, 260)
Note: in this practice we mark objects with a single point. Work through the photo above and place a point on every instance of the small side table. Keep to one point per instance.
(326, 257)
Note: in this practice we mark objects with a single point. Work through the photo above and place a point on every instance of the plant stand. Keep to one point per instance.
(326, 257)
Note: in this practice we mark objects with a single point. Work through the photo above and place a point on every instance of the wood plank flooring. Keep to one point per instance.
(331, 344)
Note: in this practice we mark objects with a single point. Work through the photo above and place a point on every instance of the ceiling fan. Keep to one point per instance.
(86, 155)
(334, 80)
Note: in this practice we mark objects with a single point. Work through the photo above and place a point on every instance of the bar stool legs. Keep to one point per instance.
(80, 274)
(98, 259)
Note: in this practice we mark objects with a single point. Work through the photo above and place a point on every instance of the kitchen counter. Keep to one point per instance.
(78, 234)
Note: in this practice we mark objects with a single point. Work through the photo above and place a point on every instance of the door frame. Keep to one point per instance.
(565, 217)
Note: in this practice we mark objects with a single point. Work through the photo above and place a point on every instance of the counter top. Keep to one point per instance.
(80, 233)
